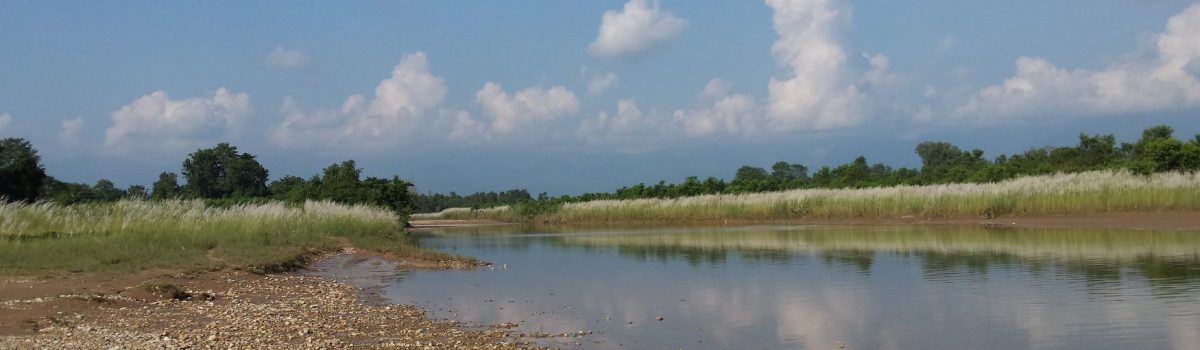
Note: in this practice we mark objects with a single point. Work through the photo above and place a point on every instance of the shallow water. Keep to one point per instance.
(817, 287)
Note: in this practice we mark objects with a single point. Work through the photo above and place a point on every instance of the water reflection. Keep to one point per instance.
(818, 287)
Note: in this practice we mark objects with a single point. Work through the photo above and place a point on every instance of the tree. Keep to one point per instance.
(937, 153)
(137, 192)
(340, 183)
(106, 191)
(166, 187)
(784, 172)
(291, 188)
(391, 193)
(65, 193)
(221, 172)
(21, 171)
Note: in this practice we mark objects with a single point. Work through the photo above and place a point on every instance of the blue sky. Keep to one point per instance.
(573, 96)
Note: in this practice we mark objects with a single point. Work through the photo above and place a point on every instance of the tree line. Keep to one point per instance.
(223, 175)
(220, 175)
(941, 163)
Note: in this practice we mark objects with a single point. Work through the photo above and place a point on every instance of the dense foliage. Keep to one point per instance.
(21, 172)
(223, 175)
(435, 202)
(941, 163)
(220, 175)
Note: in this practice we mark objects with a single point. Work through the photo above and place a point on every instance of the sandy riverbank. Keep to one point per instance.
(226, 309)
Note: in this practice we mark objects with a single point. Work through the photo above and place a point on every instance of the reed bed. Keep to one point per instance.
(133, 235)
(1087, 192)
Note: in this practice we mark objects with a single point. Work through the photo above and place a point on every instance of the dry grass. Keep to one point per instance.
(1088, 192)
(186, 234)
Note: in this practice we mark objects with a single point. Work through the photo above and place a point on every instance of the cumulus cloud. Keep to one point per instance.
(734, 114)
(286, 58)
(638, 28)
(597, 84)
(72, 131)
(5, 120)
(1165, 80)
(716, 88)
(817, 94)
(534, 104)
(401, 104)
(724, 113)
(156, 123)
(629, 129)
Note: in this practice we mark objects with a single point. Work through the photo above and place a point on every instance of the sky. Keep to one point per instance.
(568, 97)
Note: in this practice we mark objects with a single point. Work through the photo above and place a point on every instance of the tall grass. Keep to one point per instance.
(187, 234)
(1088, 192)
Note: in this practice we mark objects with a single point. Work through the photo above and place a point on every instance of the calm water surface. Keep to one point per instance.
(817, 287)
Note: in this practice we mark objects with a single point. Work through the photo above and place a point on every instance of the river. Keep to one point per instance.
(813, 287)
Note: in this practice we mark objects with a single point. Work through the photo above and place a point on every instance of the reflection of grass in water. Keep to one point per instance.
(1089, 192)
(1168, 260)
(1070, 243)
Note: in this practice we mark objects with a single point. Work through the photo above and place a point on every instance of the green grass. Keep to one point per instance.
(1061, 194)
(46, 238)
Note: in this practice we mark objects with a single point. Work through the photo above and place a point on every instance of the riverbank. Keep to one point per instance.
(1059, 195)
(219, 310)
(1160, 220)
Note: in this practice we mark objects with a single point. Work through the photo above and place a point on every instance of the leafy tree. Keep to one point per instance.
(166, 187)
(221, 172)
(104, 190)
(66, 193)
(137, 192)
(937, 153)
(784, 172)
(340, 183)
(291, 188)
(21, 171)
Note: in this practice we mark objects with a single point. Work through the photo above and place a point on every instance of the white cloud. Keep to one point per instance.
(817, 95)
(597, 84)
(628, 129)
(401, 104)
(716, 88)
(286, 58)
(156, 123)
(734, 114)
(72, 131)
(635, 30)
(5, 120)
(533, 104)
(1162, 81)
(880, 74)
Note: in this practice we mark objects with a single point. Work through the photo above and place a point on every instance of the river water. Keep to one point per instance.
(812, 287)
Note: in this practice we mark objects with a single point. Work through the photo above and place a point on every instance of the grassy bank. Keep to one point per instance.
(1088, 192)
(180, 234)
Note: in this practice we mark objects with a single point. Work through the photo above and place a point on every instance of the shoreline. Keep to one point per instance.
(222, 309)
(1129, 220)
(236, 308)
